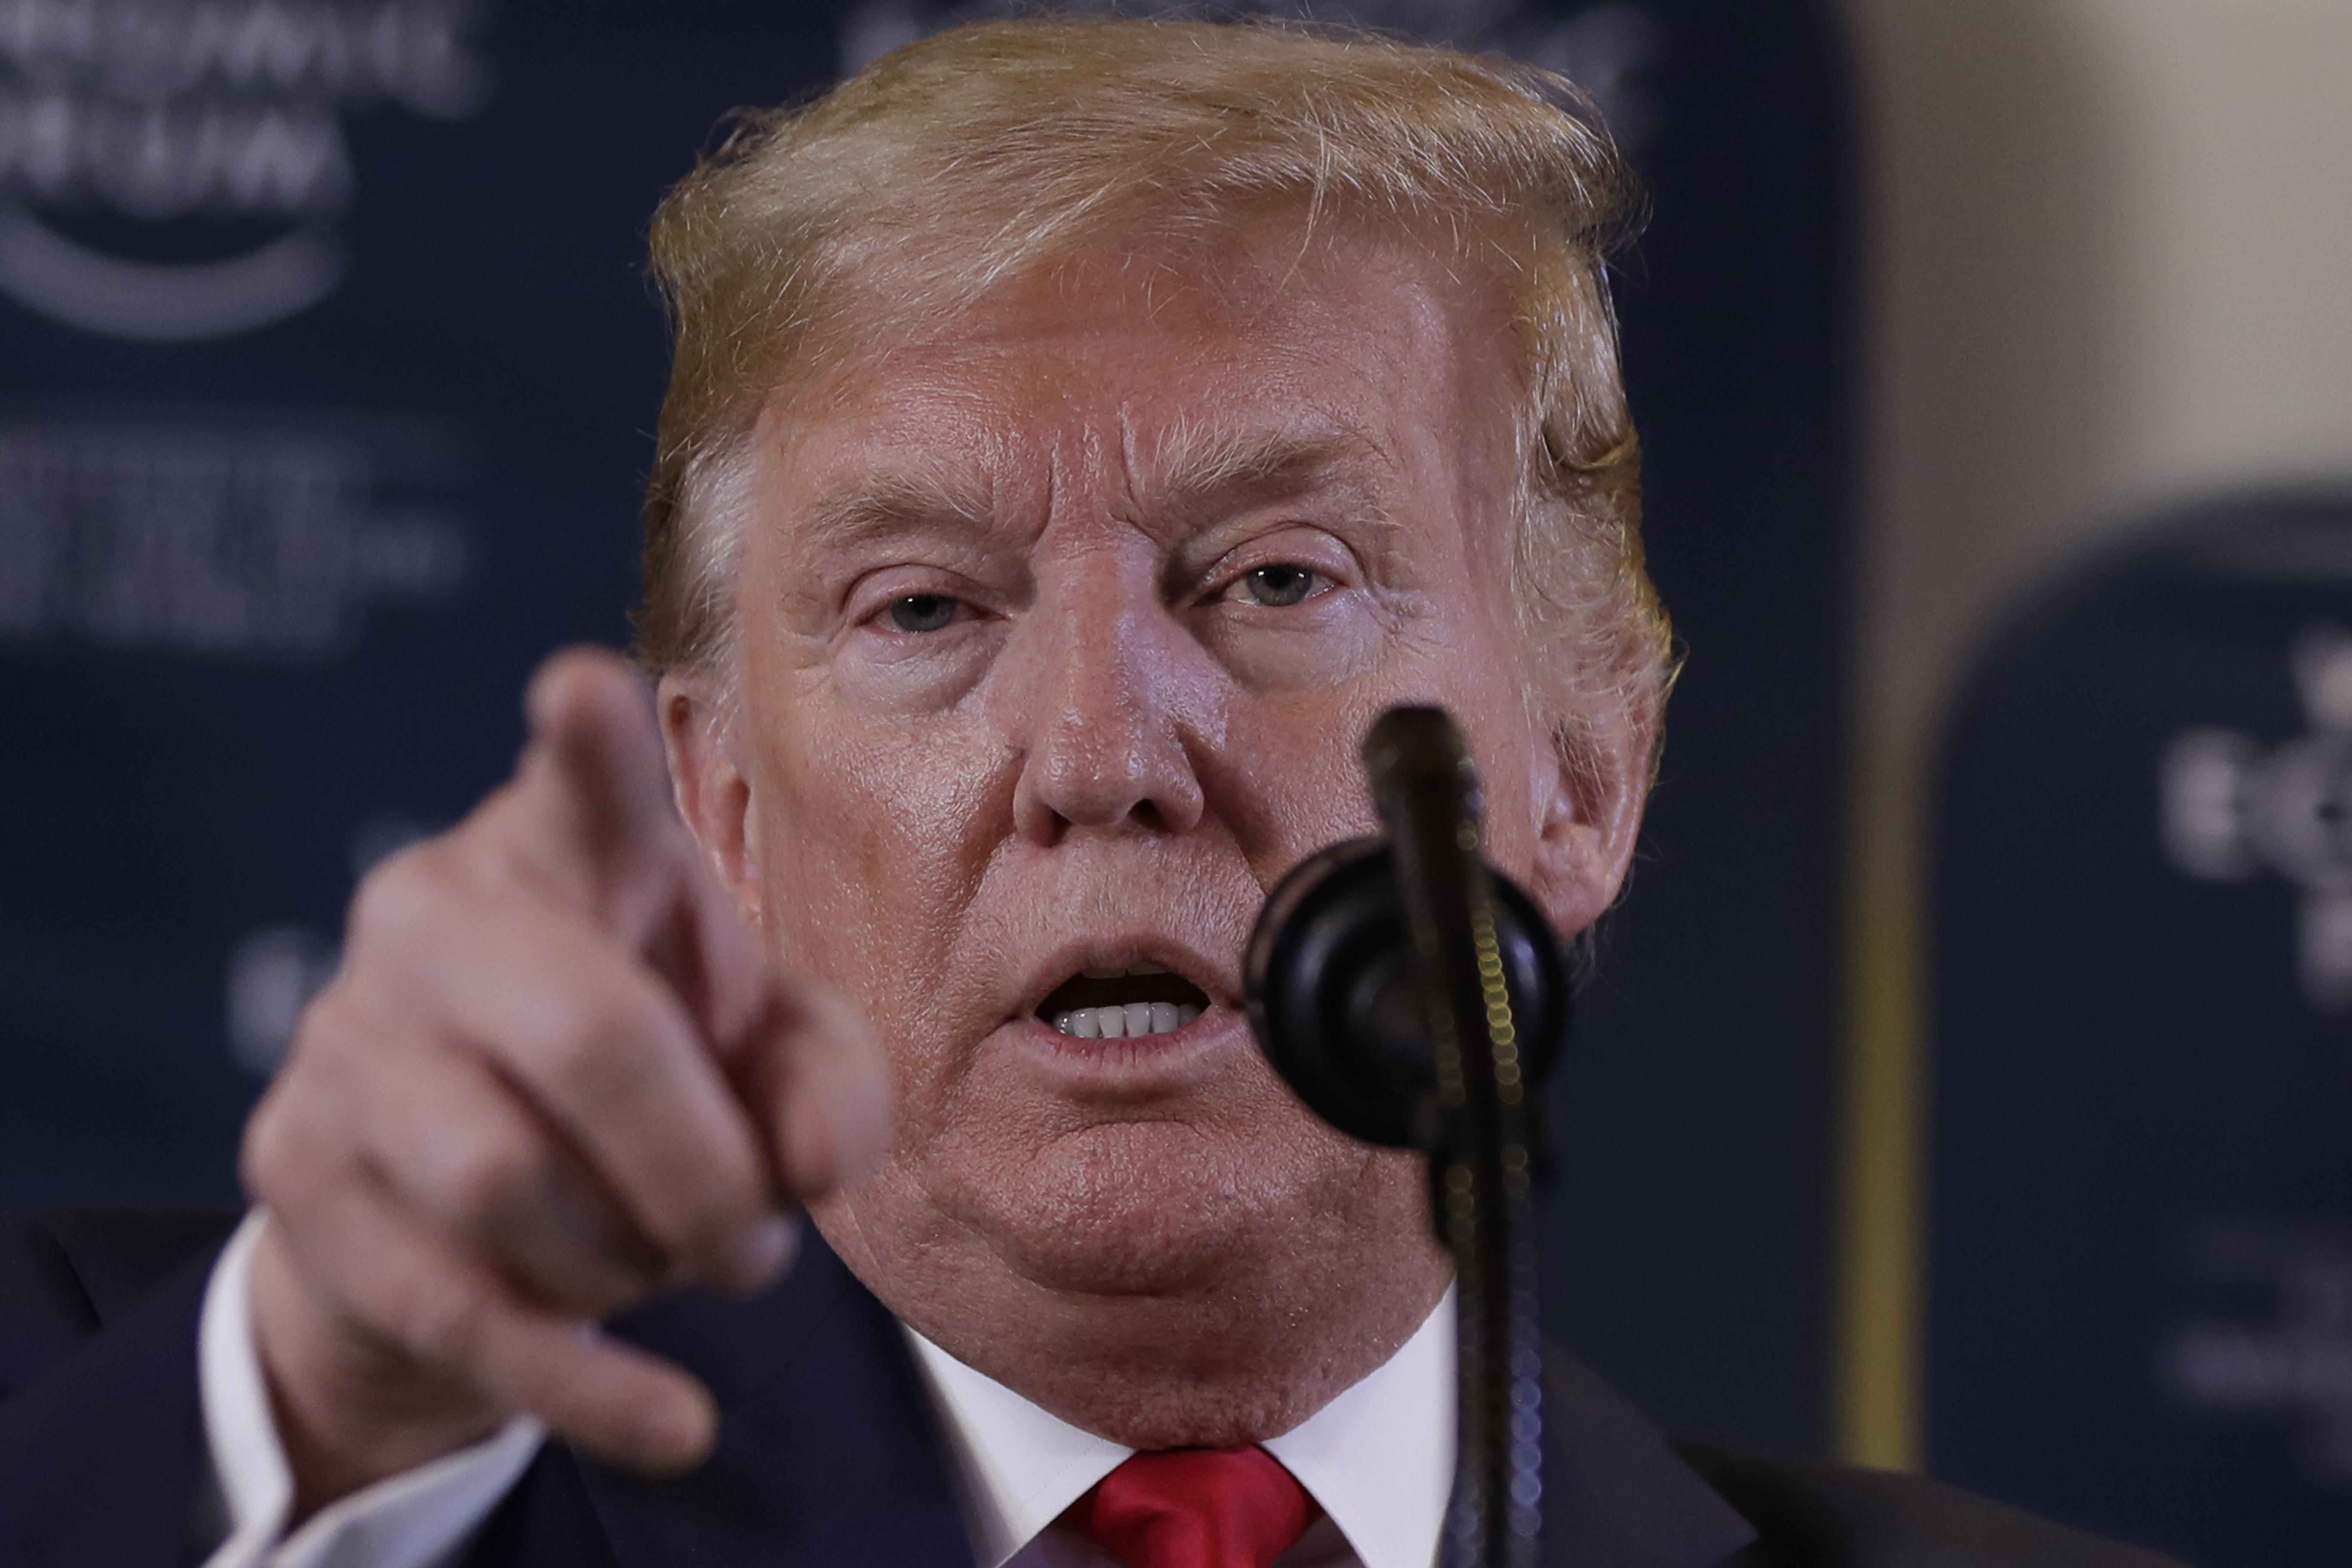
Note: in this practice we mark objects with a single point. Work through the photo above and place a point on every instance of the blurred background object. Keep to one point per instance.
(326, 374)
(2106, 253)
(2141, 1308)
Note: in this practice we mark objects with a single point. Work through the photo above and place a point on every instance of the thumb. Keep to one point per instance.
(816, 1082)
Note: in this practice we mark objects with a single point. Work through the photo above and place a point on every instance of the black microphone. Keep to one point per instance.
(1413, 995)
(1328, 982)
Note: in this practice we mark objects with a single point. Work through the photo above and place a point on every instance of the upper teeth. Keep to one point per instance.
(1126, 1020)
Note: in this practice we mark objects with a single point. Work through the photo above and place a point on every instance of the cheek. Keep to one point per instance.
(882, 678)
(1291, 778)
(1296, 781)
(873, 840)
(1509, 752)
(1508, 747)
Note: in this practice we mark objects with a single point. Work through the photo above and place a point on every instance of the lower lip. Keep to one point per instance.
(1135, 1059)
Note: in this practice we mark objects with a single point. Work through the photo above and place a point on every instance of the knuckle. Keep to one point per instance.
(402, 899)
(484, 1181)
(602, 1048)
(442, 1321)
(326, 1023)
(325, 1075)
(288, 1152)
(555, 1033)
(709, 1221)
(265, 1153)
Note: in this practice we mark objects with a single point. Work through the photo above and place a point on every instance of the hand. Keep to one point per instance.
(552, 1078)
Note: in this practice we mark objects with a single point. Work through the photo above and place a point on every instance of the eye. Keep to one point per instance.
(922, 613)
(1281, 585)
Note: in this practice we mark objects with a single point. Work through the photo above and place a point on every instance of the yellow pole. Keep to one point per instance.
(1882, 1258)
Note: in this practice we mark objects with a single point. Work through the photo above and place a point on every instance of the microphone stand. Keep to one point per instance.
(1412, 998)
(1481, 1172)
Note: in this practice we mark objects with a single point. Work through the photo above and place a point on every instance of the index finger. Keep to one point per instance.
(593, 817)
(600, 810)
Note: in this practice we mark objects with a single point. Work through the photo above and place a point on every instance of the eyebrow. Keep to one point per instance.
(1191, 471)
(1197, 470)
(901, 500)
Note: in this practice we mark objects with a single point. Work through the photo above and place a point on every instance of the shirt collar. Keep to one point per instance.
(1378, 1457)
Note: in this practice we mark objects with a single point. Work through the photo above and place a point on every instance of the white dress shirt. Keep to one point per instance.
(1378, 1459)
(419, 1518)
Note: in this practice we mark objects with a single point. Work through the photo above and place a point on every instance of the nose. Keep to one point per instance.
(1108, 697)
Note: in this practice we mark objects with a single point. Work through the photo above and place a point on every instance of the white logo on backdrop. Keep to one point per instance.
(273, 974)
(2297, 1364)
(204, 539)
(2233, 808)
(1601, 48)
(125, 121)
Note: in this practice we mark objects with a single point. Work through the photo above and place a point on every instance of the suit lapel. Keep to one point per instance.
(1615, 1495)
(828, 1453)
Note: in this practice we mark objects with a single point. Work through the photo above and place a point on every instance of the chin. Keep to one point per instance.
(1159, 1282)
(1145, 1208)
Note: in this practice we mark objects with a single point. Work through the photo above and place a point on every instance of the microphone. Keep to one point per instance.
(1330, 985)
(1413, 996)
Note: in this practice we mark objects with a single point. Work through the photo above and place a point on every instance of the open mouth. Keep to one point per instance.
(1122, 1004)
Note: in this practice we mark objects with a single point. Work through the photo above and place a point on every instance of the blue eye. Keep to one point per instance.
(1278, 586)
(922, 613)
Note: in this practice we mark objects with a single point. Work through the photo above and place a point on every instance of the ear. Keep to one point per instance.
(1596, 780)
(714, 794)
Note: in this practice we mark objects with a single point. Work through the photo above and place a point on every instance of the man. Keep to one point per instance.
(1079, 432)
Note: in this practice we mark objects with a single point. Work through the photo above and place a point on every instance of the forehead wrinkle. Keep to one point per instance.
(1189, 470)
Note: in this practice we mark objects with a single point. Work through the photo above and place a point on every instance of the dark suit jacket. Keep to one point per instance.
(828, 1453)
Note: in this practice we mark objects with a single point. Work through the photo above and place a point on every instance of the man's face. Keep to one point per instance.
(1060, 627)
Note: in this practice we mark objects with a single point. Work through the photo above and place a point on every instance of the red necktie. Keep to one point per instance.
(1196, 1508)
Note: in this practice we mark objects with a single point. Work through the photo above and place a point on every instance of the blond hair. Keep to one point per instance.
(966, 159)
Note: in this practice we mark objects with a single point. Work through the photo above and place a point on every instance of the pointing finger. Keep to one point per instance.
(594, 792)
(592, 806)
